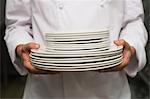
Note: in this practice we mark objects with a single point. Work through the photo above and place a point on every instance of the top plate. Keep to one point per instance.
(77, 33)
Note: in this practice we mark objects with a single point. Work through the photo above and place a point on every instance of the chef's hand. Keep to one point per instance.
(23, 51)
(128, 52)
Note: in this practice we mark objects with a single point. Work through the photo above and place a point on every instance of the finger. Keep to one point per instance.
(133, 51)
(127, 52)
(25, 57)
(32, 69)
(123, 43)
(125, 62)
(18, 50)
(27, 63)
(29, 46)
(118, 42)
(126, 57)
(26, 60)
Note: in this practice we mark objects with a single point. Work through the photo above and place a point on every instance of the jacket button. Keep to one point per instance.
(61, 6)
(102, 5)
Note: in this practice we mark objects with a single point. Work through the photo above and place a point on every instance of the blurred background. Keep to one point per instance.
(12, 84)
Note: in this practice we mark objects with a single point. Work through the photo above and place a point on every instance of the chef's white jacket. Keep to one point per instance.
(29, 20)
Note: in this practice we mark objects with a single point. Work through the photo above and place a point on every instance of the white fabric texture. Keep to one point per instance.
(29, 20)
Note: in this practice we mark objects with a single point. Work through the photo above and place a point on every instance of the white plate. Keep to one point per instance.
(77, 33)
(70, 57)
(78, 42)
(85, 69)
(76, 46)
(73, 58)
(54, 52)
(78, 64)
(77, 39)
(74, 53)
(75, 67)
(52, 60)
(77, 51)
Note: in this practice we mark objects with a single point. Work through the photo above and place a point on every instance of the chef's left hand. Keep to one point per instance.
(128, 53)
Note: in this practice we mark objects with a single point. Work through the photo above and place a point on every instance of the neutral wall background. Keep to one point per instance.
(12, 84)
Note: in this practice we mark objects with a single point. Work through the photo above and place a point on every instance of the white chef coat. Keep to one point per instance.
(29, 20)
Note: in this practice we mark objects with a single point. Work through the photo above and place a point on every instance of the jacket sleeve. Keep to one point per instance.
(135, 34)
(18, 29)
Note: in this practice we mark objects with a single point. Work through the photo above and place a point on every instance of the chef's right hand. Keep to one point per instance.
(23, 51)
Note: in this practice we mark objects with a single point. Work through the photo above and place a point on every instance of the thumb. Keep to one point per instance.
(119, 42)
(29, 46)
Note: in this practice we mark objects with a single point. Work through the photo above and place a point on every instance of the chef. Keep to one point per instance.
(27, 21)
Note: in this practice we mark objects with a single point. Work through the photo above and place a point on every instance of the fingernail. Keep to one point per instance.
(121, 40)
(115, 41)
(37, 46)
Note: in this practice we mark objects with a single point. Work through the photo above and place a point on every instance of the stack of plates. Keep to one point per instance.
(59, 61)
(77, 52)
(78, 41)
